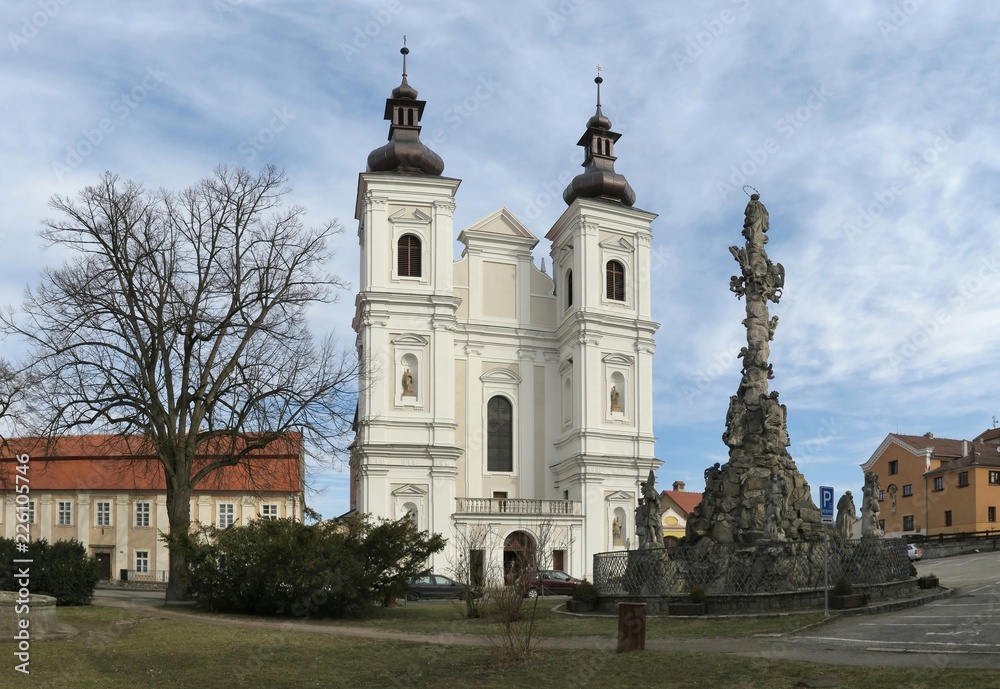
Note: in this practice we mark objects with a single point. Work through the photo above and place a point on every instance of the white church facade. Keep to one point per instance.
(500, 406)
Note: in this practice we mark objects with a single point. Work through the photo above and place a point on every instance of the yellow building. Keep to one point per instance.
(675, 506)
(938, 485)
(110, 494)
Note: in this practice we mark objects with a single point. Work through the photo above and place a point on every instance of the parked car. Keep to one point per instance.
(438, 586)
(914, 551)
(549, 582)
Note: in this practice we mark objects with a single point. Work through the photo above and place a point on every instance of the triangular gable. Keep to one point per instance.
(619, 495)
(501, 222)
(890, 439)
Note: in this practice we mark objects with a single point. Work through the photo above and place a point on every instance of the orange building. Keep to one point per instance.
(675, 507)
(109, 493)
(938, 485)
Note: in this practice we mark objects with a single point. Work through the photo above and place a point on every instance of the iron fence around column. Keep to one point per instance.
(763, 567)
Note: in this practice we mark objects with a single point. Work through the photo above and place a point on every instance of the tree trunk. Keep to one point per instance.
(179, 516)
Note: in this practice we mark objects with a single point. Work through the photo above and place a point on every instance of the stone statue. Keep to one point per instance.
(615, 406)
(846, 515)
(774, 507)
(616, 532)
(891, 492)
(648, 514)
(869, 505)
(733, 436)
(408, 384)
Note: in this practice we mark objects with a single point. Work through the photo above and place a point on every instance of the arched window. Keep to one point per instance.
(569, 288)
(616, 281)
(499, 435)
(409, 256)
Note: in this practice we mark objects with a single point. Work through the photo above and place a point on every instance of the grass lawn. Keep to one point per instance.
(431, 618)
(119, 648)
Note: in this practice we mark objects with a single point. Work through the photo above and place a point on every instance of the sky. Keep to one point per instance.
(868, 127)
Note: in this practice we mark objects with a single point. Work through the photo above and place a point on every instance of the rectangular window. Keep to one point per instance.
(963, 478)
(907, 490)
(142, 562)
(991, 514)
(269, 511)
(227, 514)
(995, 478)
(64, 513)
(908, 523)
(939, 483)
(31, 511)
(893, 467)
(881, 525)
(103, 514)
(881, 495)
(947, 518)
(142, 514)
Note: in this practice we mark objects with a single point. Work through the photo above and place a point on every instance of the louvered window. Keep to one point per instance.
(616, 281)
(409, 256)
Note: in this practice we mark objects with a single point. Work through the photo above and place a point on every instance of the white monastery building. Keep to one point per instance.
(497, 399)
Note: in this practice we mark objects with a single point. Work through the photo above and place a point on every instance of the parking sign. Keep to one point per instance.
(826, 504)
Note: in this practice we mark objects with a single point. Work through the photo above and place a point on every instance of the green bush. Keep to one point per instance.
(281, 567)
(697, 594)
(843, 587)
(62, 570)
(586, 593)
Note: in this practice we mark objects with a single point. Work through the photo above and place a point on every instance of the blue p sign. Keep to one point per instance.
(826, 504)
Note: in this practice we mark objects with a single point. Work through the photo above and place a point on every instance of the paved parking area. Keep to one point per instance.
(962, 630)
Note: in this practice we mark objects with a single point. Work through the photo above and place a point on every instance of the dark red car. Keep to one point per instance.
(549, 582)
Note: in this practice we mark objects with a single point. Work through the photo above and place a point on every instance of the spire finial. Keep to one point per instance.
(598, 81)
(405, 51)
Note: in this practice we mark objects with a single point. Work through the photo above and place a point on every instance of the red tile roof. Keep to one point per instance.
(988, 435)
(942, 447)
(684, 499)
(98, 462)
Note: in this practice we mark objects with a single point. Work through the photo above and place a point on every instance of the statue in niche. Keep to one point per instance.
(869, 505)
(846, 515)
(616, 532)
(615, 403)
(408, 384)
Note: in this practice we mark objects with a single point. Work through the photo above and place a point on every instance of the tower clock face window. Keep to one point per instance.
(499, 435)
(616, 281)
(409, 256)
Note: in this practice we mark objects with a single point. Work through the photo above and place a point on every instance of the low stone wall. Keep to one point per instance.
(978, 544)
(766, 567)
(41, 613)
(756, 603)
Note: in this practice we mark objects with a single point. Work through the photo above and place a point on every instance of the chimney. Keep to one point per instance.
(965, 447)
(678, 485)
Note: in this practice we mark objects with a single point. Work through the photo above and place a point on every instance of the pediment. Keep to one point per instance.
(501, 222)
(620, 244)
(409, 339)
(620, 359)
(409, 491)
(620, 495)
(410, 215)
(500, 375)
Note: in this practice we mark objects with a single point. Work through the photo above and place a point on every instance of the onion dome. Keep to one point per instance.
(599, 179)
(405, 152)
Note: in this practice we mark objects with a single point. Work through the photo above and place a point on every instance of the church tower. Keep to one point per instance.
(600, 259)
(404, 458)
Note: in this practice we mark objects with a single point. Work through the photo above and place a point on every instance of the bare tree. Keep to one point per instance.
(180, 318)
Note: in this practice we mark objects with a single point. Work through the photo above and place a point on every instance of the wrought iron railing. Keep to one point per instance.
(157, 576)
(764, 567)
(516, 506)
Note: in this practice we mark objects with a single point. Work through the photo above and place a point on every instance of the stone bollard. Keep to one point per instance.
(631, 627)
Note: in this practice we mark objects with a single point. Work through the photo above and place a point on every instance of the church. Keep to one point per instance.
(505, 408)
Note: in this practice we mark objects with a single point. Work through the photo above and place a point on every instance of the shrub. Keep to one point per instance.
(62, 570)
(281, 567)
(697, 594)
(586, 593)
(843, 587)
